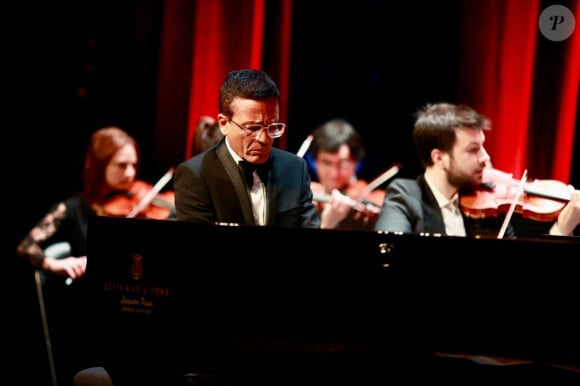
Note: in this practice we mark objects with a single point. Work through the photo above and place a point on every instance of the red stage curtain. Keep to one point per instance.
(527, 84)
(201, 41)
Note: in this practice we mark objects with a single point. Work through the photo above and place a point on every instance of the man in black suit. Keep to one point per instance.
(450, 143)
(243, 179)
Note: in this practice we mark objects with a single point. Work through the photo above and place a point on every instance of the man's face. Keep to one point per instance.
(467, 159)
(335, 170)
(252, 147)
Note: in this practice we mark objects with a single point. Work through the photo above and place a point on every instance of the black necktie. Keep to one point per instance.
(248, 171)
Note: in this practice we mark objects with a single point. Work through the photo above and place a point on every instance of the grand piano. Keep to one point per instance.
(167, 298)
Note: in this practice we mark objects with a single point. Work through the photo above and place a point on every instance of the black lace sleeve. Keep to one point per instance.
(31, 246)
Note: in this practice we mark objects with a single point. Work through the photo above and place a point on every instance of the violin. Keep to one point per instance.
(143, 200)
(540, 200)
(368, 204)
(365, 197)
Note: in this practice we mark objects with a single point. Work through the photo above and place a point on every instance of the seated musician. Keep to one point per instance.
(110, 166)
(343, 203)
(244, 179)
(207, 134)
(450, 143)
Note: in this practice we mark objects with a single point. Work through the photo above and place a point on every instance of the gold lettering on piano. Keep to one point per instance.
(111, 287)
(136, 298)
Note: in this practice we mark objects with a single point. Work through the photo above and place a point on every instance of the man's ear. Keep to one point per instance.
(223, 124)
(440, 158)
(437, 156)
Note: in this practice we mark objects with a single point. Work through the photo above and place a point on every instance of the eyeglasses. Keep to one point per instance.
(274, 130)
(341, 164)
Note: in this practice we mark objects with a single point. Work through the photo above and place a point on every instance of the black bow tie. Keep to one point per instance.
(248, 171)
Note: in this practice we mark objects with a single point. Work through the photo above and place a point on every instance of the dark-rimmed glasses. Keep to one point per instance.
(274, 130)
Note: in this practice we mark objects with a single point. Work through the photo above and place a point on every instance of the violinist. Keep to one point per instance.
(450, 143)
(207, 133)
(336, 152)
(110, 188)
(110, 167)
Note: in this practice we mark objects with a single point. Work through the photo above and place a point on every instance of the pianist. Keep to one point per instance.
(213, 187)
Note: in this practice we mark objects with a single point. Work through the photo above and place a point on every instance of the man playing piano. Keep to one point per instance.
(243, 179)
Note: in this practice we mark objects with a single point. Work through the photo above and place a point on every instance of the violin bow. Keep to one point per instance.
(152, 193)
(390, 173)
(513, 204)
(304, 147)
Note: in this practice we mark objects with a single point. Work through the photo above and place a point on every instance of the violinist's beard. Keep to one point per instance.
(461, 179)
(464, 181)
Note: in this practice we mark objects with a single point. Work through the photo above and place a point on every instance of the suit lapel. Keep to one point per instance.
(233, 171)
(432, 215)
(271, 196)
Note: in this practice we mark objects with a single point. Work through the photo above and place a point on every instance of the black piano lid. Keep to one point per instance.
(161, 285)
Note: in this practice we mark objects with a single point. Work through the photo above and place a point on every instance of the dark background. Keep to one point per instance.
(75, 67)
(374, 66)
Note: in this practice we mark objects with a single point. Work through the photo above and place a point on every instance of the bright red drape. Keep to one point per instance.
(569, 101)
(508, 72)
(224, 35)
(504, 76)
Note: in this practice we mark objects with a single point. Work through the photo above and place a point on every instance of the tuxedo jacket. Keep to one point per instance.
(410, 207)
(210, 188)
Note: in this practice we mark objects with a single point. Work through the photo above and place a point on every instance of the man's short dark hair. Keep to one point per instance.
(248, 84)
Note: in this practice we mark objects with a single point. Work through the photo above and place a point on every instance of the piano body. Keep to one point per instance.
(168, 297)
